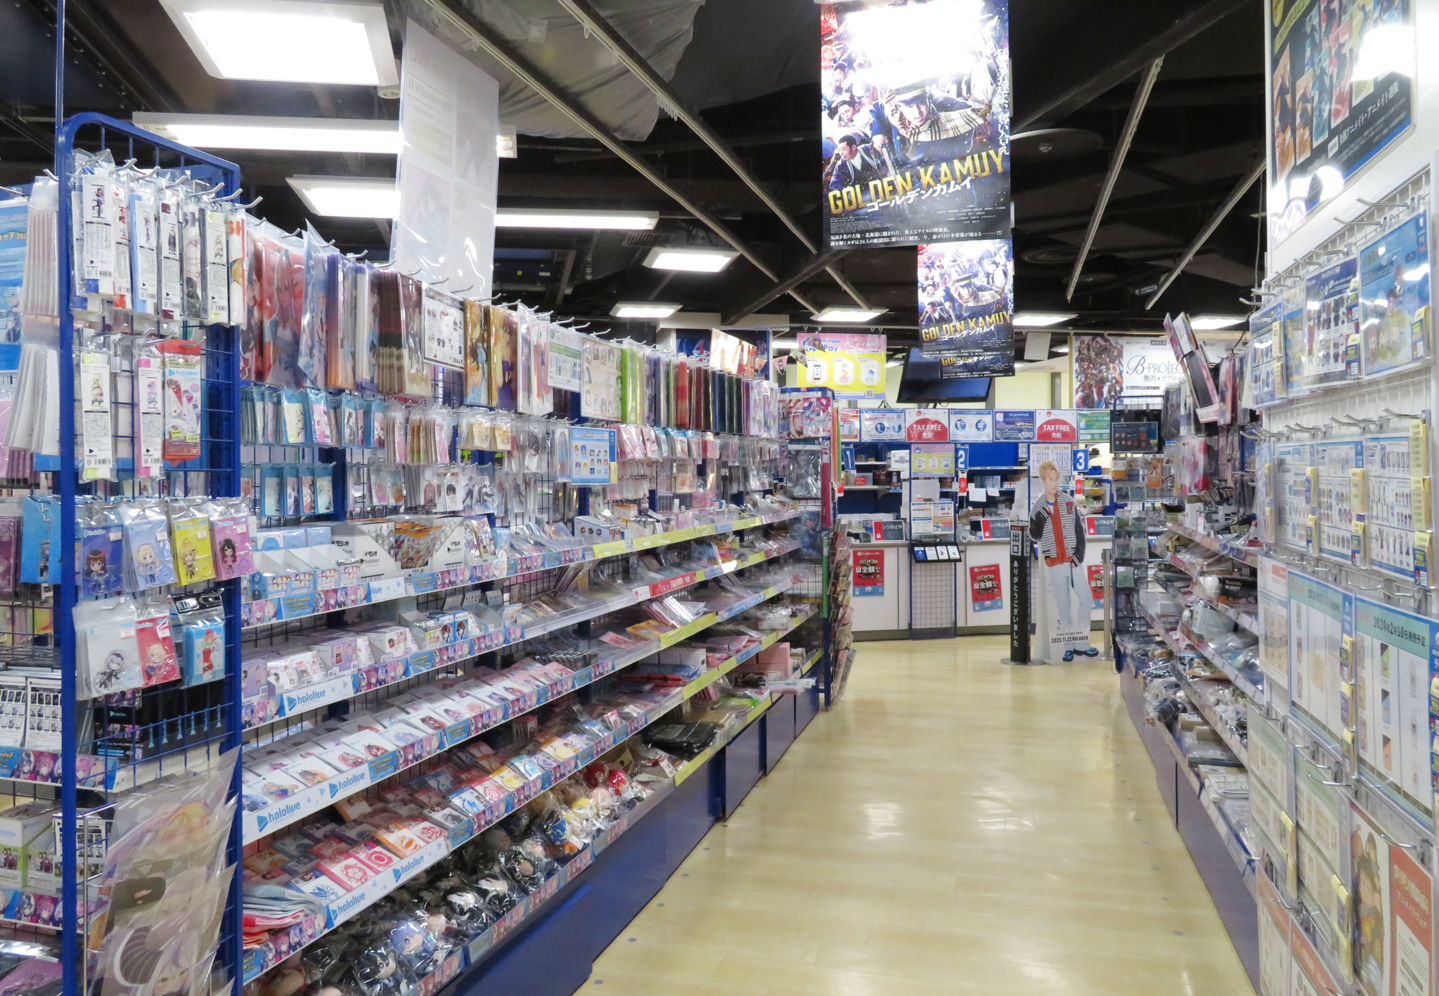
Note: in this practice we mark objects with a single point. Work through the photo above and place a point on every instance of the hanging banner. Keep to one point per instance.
(986, 591)
(1340, 93)
(966, 306)
(915, 121)
(1105, 369)
(448, 171)
(868, 570)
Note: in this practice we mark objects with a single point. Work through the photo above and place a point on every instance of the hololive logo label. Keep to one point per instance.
(290, 809)
(356, 779)
(352, 902)
(315, 696)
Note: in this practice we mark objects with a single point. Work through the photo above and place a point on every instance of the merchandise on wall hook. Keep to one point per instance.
(1320, 781)
(257, 200)
(229, 197)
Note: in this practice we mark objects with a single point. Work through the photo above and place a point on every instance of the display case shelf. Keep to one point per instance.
(1247, 555)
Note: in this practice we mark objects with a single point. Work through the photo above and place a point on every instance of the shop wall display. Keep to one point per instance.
(915, 119)
(966, 306)
(1394, 282)
(1332, 109)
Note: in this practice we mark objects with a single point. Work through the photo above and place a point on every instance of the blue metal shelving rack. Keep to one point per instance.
(201, 721)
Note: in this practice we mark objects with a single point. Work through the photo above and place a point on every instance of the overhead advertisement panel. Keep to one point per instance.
(1340, 93)
(915, 121)
(966, 306)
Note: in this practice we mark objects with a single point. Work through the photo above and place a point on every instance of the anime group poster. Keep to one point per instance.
(966, 306)
(915, 121)
(1340, 91)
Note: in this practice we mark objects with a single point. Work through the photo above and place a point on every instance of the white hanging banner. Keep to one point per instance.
(449, 167)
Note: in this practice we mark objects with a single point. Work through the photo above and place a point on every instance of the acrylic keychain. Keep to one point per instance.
(190, 541)
(107, 656)
(40, 540)
(101, 549)
(158, 663)
(202, 629)
(148, 558)
(230, 538)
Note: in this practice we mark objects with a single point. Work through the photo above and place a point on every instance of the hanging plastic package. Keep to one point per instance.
(40, 540)
(230, 538)
(96, 427)
(101, 549)
(120, 214)
(149, 412)
(107, 657)
(144, 209)
(192, 256)
(202, 630)
(311, 356)
(148, 558)
(190, 541)
(155, 639)
(11, 513)
(239, 259)
(182, 399)
(215, 216)
(172, 299)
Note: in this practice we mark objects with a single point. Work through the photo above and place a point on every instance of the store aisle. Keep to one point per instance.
(955, 826)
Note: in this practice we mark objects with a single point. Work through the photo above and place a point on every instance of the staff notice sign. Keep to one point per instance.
(869, 572)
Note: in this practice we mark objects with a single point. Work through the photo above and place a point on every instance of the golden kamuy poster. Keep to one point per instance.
(915, 121)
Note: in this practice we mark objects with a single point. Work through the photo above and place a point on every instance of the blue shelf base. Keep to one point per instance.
(553, 956)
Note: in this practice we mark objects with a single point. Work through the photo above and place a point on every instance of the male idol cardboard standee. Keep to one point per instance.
(1057, 526)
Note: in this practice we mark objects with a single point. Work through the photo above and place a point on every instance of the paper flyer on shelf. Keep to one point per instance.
(915, 121)
(1392, 652)
(1316, 633)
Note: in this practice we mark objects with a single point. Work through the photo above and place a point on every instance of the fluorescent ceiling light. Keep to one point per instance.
(546, 218)
(1206, 322)
(348, 196)
(784, 344)
(1039, 319)
(241, 131)
(848, 315)
(690, 259)
(1061, 349)
(289, 41)
(644, 309)
(507, 143)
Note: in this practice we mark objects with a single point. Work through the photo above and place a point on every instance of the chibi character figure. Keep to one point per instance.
(44, 565)
(229, 555)
(351, 760)
(154, 662)
(188, 561)
(147, 565)
(375, 750)
(1055, 525)
(95, 571)
(208, 646)
(111, 670)
(277, 792)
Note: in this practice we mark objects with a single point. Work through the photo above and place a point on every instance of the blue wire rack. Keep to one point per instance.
(170, 727)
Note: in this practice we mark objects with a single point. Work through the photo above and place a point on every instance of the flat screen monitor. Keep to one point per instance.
(921, 382)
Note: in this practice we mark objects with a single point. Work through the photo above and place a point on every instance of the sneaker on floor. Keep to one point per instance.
(1068, 656)
(1092, 652)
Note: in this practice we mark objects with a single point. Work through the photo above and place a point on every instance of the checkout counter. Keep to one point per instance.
(972, 573)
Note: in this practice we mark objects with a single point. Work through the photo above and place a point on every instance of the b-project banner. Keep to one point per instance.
(915, 121)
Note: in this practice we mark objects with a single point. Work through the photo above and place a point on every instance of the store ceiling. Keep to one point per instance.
(752, 66)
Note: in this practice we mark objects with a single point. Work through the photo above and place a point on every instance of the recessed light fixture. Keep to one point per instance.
(548, 218)
(243, 131)
(644, 309)
(784, 344)
(348, 196)
(692, 260)
(1061, 349)
(1039, 319)
(1209, 322)
(848, 315)
(289, 41)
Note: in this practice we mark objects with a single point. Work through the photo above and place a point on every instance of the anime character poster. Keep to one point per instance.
(1340, 93)
(966, 306)
(1369, 893)
(915, 121)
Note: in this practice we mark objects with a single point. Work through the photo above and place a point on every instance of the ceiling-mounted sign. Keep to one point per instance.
(915, 121)
(850, 365)
(966, 306)
(1056, 426)
(448, 168)
(924, 425)
(1105, 369)
(1341, 92)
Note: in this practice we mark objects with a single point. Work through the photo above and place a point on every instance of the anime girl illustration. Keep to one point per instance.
(95, 571)
(147, 565)
(1368, 890)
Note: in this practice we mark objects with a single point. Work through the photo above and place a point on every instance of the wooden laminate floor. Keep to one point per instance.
(954, 826)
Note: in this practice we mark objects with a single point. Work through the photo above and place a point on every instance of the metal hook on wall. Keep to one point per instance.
(1390, 840)
(246, 207)
(230, 196)
(1422, 416)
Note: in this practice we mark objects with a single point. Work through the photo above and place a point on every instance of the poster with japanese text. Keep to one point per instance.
(1273, 612)
(1392, 651)
(1334, 501)
(1388, 505)
(914, 121)
(868, 572)
(1316, 632)
(966, 306)
(1394, 291)
(1292, 464)
(1339, 95)
(986, 592)
(1266, 355)
(1331, 316)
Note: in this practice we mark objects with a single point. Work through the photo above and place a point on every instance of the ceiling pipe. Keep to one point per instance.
(1240, 189)
(669, 100)
(785, 286)
(1076, 96)
(1116, 165)
(497, 48)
